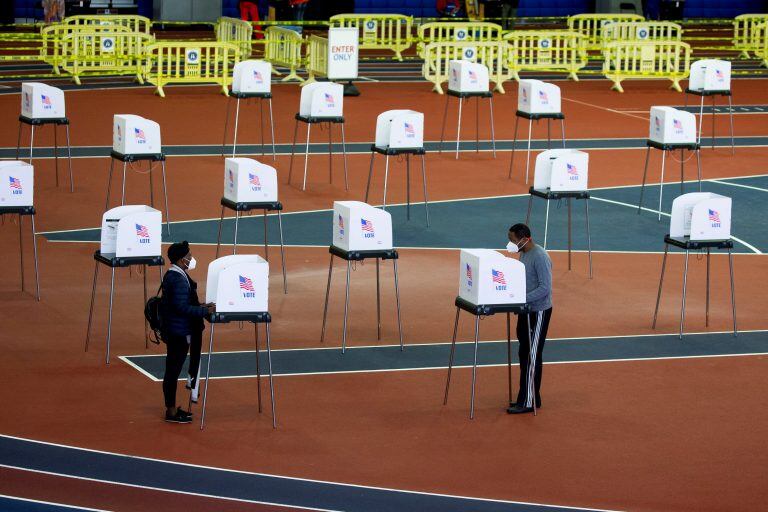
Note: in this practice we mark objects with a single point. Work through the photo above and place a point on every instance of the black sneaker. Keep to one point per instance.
(179, 417)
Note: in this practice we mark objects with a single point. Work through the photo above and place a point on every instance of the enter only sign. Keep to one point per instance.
(343, 53)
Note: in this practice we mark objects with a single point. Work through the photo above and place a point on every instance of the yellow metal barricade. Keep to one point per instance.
(591, 25)
(459, 32)
(552, 50)
(437, 58)
(379, 31)
(132, 22)
(650, 59)
(103, 52)
(237, 32)
(746, 35)
(317, 58)
(283, 48)
(53, 35)
(190, 62)
(641, 31)
(761, 34)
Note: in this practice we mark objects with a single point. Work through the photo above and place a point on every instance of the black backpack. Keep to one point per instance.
(153, 314)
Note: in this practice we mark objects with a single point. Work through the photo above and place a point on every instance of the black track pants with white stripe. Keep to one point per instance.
(530, 354)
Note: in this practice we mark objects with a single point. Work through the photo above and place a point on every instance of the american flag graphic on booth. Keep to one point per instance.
(246, 284)
(142, 231)
(366, 225)
(719, 75)
(341, 224)
(472, 76)
(329, 99)
(543, 97)
(498, 276)
(409, 130)
(231, 178)
(572, 170)
(677, 125)
(140, 137)
(253, 179)
(469, 272)
(525, 96)
(15, 183)
(46, 101)
(714, 217)
(257, 76)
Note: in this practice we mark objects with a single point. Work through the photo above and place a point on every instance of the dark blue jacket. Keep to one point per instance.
(181, 311)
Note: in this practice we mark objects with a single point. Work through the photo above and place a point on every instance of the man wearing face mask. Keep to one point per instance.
(538, 281)
(182, 330)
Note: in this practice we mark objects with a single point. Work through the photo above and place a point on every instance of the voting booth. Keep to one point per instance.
(43, 104)
(321, 102)
(251, 79)
(134, 139)
(670, 130)
(17, 188)
(251, 185)
(361, 232)
(711, 77)
(399, 132)
(700, 221)
(562, 174)
(536, 100)
(131, 235)
(468, 80)
(489, 283)
(239, 286)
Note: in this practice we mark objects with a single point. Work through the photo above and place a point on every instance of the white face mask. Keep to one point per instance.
(192, 263)
(513, 247)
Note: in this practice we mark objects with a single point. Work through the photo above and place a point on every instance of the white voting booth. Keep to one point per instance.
(17, 184)
(561, 170)
(135, 135)
(41, 101)
(466, 76)
(252, 76)
(358, 226)
(249, 181)
(322, 99)
(488, 277)
(131, 231)
(43, 104)
(672, 126)
(238, 284)
(400, 129)
(701, 216)
(711, 77)
(538, 97)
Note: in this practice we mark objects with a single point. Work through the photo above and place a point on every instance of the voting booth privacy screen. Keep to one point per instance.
(238, 284)
(561, 170)
(17, 183)
(672, 126)
(252, 76)
(358, 226)
(710, 75)
(249, 181)
(131, 231)
(537, 97)
(701, 216)
(466, 76)
(134, 135)
(322, 99)
(400, 129)
(488, 277)
(41, 101)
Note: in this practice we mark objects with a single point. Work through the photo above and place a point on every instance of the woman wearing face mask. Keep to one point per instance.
(182, 329)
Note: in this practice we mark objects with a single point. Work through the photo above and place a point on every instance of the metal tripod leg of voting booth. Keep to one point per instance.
(462, 96)
(350, 256)
(261, 97)
(387, 152)
(688, 245)
(56, 122)
(481, 310)
(256, 318)
(664, 148)
(151, 158)
(23, 211)
(246, 207)
(548, 196)
(724, 92)
(113, 262)
(531, 118)
(309, 120)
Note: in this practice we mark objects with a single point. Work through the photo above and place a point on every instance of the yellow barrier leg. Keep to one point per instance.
(438, 88)
(225, 90)
(139, 78)
(499, 87)
(617, 85)
(744, 54)
(159, 91)
(676, 85)
(573, 76)
(76, 79)
(398, 55)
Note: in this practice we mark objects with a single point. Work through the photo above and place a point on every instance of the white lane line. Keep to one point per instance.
(40, 502)
(751, 187)
(643, 118)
